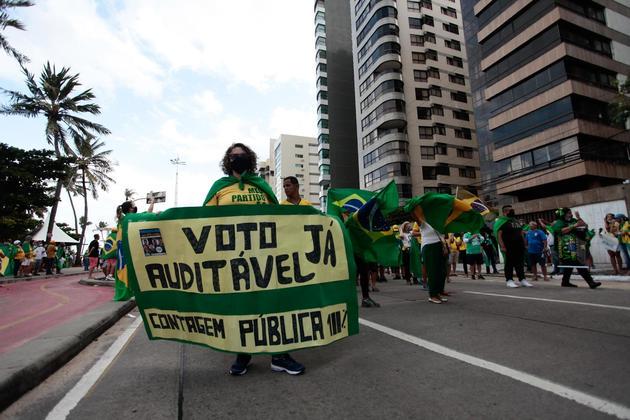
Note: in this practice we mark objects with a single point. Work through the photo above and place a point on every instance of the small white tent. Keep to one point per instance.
(58, 235)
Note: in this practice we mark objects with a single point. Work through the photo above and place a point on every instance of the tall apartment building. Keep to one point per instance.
(337, 137)
(295, 156)
(543, 73)
(412, 93)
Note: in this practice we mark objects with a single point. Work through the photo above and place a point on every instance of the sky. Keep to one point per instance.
(173, 79)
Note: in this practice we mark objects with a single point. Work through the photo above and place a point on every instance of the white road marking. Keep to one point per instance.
(72, 398)
(599, 404)
(598, 305)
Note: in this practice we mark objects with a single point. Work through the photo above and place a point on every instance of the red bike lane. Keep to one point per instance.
(30, 308)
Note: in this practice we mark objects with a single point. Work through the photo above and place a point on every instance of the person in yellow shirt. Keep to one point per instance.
(291, 187)
(242, 186)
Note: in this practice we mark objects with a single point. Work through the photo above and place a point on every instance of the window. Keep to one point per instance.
(322, 95)
(467, 172)
(422, 94)
(459, 96)
(449, 11)
(435, 91)
(299, 165)
(463, 133)
(392, 105)
(324, 154)
(413, 6)
(427, 152)
(323, 123)
(439, 129)
(425, 132)
(417, 40)
(386, 172)
(437, 110)
(461, 115)
(299, 146)
(322, 109)
(431, 55)
(420, 75)
(451, 27)
(426, 4)
(388, 149)
(455, 61)
(441, 149)
(424, 113)
(466, 153)
(429, 37)
(428, 20)
(324, 170)
(434, 73)
(418, 57)
(322, 139)
(458, 79)
(443, 170)
(321, 67)
(299, 156)
(429, 172)
(415, 23)
(452, 44)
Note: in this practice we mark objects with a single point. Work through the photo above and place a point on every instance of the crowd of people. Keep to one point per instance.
(30, 258)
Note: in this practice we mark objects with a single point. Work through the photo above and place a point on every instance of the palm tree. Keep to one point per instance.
(92, 170)
(129, 193)
(56, 98)
(7, 22)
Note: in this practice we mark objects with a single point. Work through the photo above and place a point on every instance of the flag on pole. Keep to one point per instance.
(346, 200)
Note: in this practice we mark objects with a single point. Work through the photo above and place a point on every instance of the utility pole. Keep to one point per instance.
(177, 162)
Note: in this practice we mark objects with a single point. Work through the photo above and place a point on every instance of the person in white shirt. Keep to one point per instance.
(40, 253)
(434, 256)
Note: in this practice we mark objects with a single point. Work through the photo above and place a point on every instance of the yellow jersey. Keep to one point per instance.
(234, 195)
(303, 202)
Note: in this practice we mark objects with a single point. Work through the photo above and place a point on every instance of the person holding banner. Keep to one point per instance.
(242, 186)
(613, 229)
(569, 243)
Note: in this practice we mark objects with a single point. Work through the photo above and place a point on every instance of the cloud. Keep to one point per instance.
(208, 103)
(71, 33)
(301, 122)
(249, 41)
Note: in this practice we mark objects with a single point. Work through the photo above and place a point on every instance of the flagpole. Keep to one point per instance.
(177, 162)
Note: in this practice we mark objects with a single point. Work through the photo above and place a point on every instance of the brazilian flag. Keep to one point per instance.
(372, 237)
(6, 262)
(446, 213)
(121, 285)
(110, 247)
(346, 200)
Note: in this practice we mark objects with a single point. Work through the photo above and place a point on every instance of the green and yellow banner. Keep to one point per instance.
(242, 279)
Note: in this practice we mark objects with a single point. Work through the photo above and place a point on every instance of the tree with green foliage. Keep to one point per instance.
(56, 97)
(619, 109)
(91, 172)
(25, 185)
(7, 21)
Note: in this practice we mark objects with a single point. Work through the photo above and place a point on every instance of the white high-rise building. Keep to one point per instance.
(295, 156)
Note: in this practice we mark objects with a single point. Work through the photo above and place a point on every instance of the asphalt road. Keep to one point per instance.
(481, 355)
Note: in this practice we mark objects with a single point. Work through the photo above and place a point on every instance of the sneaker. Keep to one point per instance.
(285, 363)
(480, 277)
(525, 283)
(239, 367)
(369, 303)
(568, 285)
(511, 284)
(472, 277)
(443, 298)
(435, 300)
(595, 284)
(517, 282)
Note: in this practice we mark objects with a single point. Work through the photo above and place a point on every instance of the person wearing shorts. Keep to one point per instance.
(474, 256)
(93, 253)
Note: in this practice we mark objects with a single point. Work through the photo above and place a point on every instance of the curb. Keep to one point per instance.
(9, 280)
(29, 365)
(96, 282)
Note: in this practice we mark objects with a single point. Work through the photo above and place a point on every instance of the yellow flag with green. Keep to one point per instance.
(243, 279)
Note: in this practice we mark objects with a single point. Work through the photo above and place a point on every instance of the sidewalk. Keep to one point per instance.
(70, 271)
(26, 366)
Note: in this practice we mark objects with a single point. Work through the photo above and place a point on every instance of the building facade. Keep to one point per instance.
(295, 156)
(336, 130)
(543, 73)
(412, 93)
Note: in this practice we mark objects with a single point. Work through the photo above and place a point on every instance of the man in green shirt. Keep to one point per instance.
(569, 235)
(474, 256)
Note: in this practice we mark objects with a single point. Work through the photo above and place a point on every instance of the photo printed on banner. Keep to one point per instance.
(152, 242)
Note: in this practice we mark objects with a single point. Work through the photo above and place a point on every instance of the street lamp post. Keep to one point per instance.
(177, 162)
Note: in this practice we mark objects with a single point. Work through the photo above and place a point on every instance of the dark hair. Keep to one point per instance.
(96, 236)
(561, 212)
(127, 206)
(226, 165)
(505, 207)
(292, 179)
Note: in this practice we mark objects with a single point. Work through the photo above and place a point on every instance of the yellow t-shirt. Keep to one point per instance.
(234, 195)
(303, 202)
